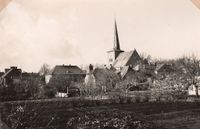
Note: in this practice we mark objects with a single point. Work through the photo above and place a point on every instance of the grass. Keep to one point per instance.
(56, 113)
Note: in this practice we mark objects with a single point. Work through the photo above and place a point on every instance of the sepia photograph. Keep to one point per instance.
(99, 64)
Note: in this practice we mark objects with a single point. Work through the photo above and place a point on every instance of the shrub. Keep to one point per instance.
(108, 120)
(50, 91)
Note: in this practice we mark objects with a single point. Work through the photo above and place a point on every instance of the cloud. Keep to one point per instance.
(30, 36)
(33, 32)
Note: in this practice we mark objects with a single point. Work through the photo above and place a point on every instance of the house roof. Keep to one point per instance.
(164, 67)
(5, 74)
(127, 58)
(66, 69)
(1, 73)
(13, 70)
(159, 66)
(124, 71)
(25, 74)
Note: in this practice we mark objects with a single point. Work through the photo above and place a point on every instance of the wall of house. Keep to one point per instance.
(66, 80)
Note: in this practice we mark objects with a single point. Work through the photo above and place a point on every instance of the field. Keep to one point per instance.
(56, 115)
(169, 115)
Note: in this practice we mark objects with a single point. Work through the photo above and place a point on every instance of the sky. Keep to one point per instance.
(56, 32)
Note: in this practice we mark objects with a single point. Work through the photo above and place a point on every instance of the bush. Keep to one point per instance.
(108, 120)
(50, 91)
(168, 95)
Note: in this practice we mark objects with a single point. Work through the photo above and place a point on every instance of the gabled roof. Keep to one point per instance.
(5, 74)
(12, 71)
(124, 71)
(127, 58)
(1, 74)
(164, 67)
(66, 69)
(159, 66)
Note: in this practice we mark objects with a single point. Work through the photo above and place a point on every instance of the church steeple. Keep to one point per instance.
(113, 54)
(116, 38)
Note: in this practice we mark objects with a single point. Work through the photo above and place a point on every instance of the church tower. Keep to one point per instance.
(114, 53)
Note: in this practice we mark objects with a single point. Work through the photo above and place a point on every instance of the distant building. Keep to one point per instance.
(118, 58)
(67, 70)
(11, 75)
(65, 74)
(29, 75)
(163, 68)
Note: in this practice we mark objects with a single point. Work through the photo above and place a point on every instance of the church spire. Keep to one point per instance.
(116, 38)
(113, 54)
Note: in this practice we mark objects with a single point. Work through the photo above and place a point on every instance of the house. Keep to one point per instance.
(29, 75)
(1, 73)
(73, 72)
(118, 58)
(163, 68)
(65, 75)
(11, 75)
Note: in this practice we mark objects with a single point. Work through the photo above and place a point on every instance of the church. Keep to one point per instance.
(120, 59)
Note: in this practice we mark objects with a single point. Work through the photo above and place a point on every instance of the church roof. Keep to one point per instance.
(126, 59)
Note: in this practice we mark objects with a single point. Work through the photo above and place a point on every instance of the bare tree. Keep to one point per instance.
(146, 57)
(192, 67)
(44, 70)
